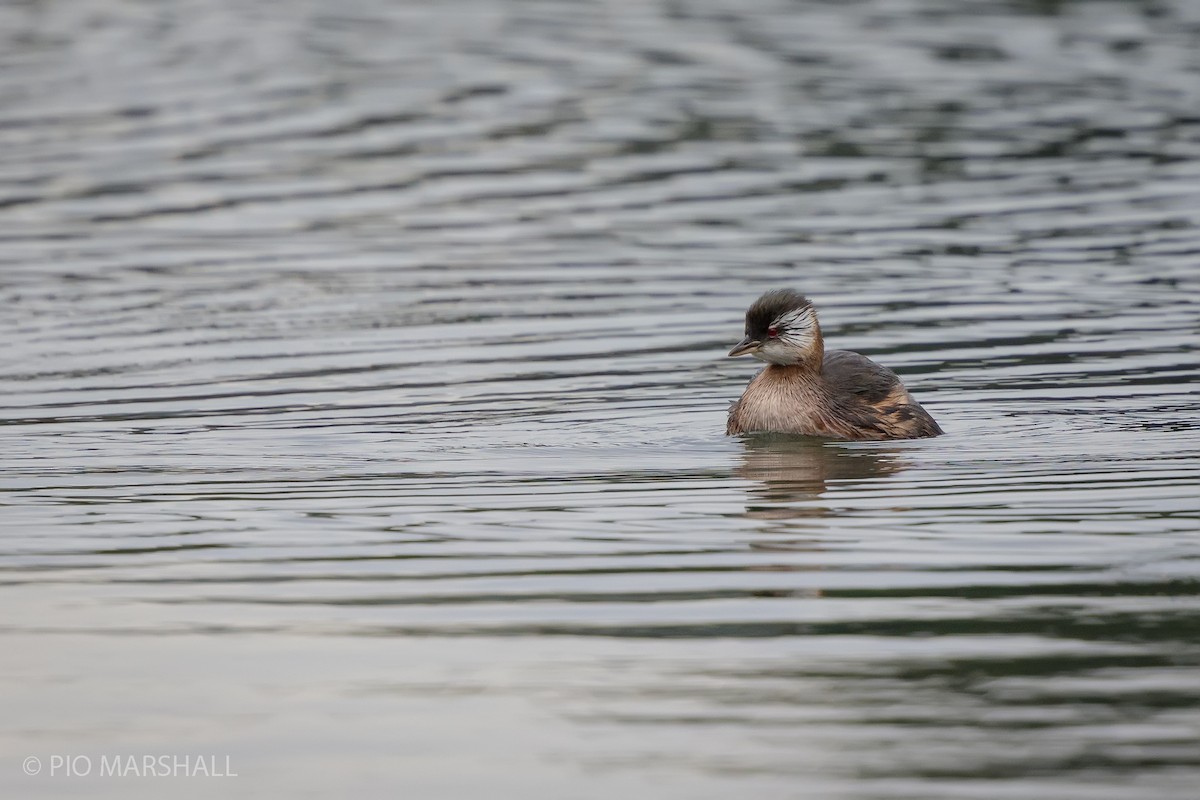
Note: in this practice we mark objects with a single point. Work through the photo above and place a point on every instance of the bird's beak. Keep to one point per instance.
(747, 345)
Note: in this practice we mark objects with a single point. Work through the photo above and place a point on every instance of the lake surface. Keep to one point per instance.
(364, 389)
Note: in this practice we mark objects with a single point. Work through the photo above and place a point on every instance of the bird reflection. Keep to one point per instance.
(790, 472)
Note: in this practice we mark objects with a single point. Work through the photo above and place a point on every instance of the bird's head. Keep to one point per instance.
(781, 328)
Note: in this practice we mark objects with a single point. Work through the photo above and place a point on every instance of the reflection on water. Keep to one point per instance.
(791, 469)
(363, 397)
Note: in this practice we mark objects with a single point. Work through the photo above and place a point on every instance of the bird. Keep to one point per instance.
(808, 391)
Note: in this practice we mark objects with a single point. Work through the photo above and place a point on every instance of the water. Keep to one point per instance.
(364, 389)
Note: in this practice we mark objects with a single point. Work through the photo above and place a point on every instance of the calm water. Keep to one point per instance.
(363, 397)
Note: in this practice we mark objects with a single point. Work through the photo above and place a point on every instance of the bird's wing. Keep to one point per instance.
(858, 375)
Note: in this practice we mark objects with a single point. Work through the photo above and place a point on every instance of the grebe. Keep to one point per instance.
(805, 390)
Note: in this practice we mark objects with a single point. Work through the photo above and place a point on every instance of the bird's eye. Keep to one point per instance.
(772, 331)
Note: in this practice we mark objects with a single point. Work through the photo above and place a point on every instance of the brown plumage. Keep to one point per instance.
(804, 390)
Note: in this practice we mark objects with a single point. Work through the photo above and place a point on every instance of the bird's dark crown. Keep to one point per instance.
(770, 307)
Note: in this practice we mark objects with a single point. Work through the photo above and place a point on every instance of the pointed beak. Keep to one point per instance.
(747, 345)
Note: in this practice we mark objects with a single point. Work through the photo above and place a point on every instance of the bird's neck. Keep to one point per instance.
(802, 372)
(808, 363)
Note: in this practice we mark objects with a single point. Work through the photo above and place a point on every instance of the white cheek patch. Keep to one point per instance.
(796, 327)
(776, 351)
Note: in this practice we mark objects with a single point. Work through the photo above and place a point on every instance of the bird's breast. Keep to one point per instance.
(782, 404)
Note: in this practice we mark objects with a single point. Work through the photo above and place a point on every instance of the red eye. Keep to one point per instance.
(772, 331)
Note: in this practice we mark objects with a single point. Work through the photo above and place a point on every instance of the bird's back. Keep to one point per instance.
(873, 399)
